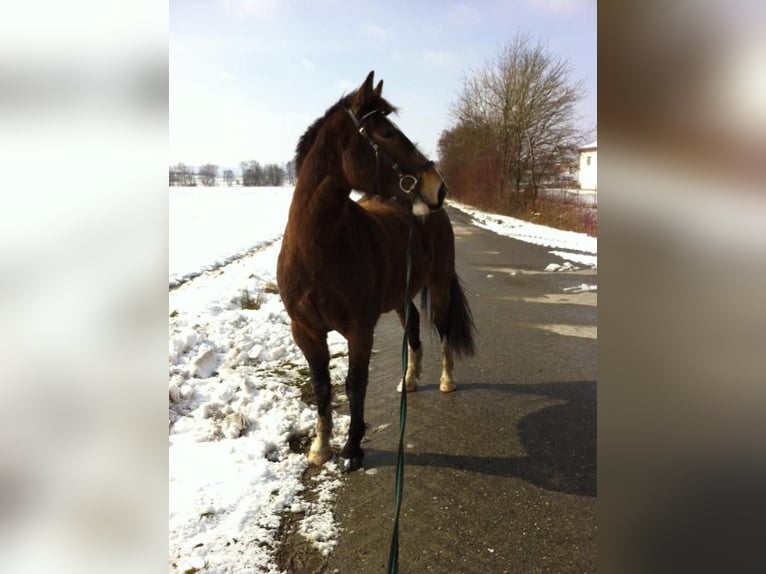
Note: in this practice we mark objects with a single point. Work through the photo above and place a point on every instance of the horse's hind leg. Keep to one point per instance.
(314, 347)
(415, 351)
(440, 306)
(359, 351)
(447, 382)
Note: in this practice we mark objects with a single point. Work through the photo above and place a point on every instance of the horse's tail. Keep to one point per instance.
(461, 326)
(425, 306)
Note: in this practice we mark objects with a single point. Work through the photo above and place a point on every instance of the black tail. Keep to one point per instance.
(461, 326)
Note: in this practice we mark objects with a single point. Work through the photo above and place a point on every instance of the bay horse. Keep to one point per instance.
(343, 263)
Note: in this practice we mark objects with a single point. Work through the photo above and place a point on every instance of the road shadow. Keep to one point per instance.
(560, 441)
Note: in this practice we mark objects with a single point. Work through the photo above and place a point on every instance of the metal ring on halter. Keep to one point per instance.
(408, 189)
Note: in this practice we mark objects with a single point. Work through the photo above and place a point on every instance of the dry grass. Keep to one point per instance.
(247, 302)
(553, 212)
(563, 215)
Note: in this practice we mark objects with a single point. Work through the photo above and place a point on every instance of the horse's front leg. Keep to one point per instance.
(314, 347)
(320, 448)
(359, 351)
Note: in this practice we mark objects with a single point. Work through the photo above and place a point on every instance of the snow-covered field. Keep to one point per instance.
(209, 227)
(235, 402)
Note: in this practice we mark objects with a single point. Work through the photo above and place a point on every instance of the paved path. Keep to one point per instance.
(500, 475)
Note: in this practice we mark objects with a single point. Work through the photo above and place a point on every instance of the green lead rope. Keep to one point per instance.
(393, 553)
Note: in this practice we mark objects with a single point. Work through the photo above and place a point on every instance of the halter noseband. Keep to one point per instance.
(404, 178)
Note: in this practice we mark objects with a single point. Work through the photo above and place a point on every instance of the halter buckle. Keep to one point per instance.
(408, 188)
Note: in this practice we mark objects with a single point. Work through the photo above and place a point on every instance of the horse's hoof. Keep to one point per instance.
(412, 386)
(319, 456)
(446, 386)
(353, 461)
(352, 464)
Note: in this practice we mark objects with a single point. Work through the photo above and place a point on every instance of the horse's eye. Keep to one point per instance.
(387, 133)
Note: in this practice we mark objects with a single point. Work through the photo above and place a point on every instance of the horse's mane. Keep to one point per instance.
(307, 140)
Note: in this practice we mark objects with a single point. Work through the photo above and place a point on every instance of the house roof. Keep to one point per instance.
(590, 147)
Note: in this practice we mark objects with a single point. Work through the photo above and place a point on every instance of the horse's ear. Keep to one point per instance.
(379, 88)
(367, 84)
(364, 92)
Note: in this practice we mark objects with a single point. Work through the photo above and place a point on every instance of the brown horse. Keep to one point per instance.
(343, 263)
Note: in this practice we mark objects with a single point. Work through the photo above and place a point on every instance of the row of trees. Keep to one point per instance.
(514, 129)
(252, 174)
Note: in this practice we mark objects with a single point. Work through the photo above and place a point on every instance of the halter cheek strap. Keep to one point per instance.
(407, 183)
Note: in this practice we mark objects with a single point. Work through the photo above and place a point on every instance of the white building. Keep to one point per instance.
(589, 167)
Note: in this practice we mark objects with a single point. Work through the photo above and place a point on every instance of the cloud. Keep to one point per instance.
(464, 14)
(561, 6)
(376, 31)
(439, 57)
(251, 7)
(308, 65)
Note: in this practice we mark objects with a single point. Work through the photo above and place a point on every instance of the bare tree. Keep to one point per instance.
(228, 176)
(273, 175)
(182, 175)
(520, 109)
(290, 172)
(252, 173)
(208, 173)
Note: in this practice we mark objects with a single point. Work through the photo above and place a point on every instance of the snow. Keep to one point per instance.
(581, 288)
(211, 226)
(233, 389)
(234, 381)
(578, 248)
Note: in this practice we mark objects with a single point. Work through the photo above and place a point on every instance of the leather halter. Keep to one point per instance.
(408, 183)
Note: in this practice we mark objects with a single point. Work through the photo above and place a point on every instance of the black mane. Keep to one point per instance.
(309, 137)
(307, 140)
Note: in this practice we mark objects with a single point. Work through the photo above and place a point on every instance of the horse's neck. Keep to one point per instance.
(317, 205)
(322, 195)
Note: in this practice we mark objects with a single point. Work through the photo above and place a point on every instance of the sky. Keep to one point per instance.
(247, 77)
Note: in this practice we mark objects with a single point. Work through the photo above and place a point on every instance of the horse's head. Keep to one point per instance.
(380, 159)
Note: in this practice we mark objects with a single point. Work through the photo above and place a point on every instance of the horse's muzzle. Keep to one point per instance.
(430, 193)
(421, 206)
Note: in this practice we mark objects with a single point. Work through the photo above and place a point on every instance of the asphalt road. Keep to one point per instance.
(500, 475)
